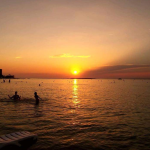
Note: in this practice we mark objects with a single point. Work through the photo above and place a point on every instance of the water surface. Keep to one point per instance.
(79, 114)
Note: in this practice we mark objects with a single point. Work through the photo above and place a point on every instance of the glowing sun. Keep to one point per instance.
(75, 72)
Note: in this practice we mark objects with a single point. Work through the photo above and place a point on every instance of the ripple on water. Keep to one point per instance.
(79, 115)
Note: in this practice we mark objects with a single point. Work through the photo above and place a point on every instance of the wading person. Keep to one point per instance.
(15, 97)
(36, 98)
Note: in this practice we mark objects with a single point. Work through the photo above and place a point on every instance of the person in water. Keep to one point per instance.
(15, 97)
(36, 97)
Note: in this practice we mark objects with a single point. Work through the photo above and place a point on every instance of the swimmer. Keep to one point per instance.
(36, 98)
(15, 97)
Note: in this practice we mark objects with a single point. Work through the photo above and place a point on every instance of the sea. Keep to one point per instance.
(79, 114)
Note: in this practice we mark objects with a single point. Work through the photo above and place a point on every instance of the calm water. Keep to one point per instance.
(79, 114)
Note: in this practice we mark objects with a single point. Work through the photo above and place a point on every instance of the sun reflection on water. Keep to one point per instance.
(75, 93)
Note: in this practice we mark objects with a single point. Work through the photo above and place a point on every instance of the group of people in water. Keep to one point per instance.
(4, 80)
(17, 97)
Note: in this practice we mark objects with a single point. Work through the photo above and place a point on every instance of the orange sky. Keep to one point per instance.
(52, 38)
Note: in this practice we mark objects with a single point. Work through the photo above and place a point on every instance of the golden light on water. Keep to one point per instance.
(75, 93)
(75, 81)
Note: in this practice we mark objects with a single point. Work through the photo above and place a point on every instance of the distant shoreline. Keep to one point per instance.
(85, 78)
(82, 78)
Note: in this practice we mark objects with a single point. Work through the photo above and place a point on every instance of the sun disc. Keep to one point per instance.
(75, 72)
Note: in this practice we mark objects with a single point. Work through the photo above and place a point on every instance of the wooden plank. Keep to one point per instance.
(17, 139)
(5, 138)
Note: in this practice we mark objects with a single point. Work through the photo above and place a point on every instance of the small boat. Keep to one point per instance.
(17, 140)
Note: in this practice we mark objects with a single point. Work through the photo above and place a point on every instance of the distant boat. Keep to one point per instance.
(119, 78)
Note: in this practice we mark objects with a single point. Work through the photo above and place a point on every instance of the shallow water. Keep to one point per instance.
(79, 114)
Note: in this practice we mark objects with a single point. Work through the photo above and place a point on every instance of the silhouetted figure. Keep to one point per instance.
(39, 84)
(9, 80)
(15, 97)
(36, 98)
(4, 80)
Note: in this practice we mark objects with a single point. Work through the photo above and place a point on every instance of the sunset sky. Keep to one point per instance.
(95, 38)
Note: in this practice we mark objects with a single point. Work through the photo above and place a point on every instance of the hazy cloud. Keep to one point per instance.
(120, 67)
(105, 70)
(68, 55)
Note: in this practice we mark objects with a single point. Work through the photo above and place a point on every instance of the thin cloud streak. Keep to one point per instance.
(68, 56)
